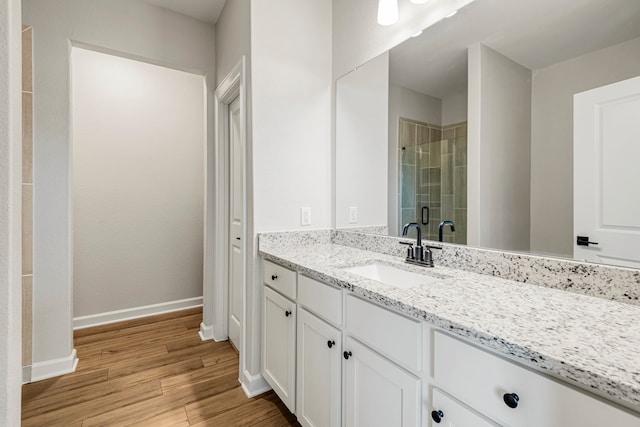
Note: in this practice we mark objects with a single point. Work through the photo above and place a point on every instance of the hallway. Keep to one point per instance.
(153, 371)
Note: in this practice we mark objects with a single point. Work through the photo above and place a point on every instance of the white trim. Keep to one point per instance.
(134, 313)
(206, 332)
(26, 374)
(220, 334)
(253, 385)
(54, 368)
(233, 86)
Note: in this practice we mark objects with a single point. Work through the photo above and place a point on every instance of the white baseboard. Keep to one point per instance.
(206, 332)
(26, 374)
(54, 368)
(253, 385)
(219, 333)
(134, 313)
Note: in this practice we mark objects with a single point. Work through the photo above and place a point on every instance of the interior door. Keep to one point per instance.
(606, 174)
(236, 200)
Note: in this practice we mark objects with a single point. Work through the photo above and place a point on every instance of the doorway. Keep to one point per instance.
(138, 188)
(225, 301)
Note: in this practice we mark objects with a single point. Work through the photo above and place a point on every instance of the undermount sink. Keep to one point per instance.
(392, 276)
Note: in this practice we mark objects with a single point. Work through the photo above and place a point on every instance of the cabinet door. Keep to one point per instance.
(378, 392)
(319, 369)
(447, 412)
(279, 345)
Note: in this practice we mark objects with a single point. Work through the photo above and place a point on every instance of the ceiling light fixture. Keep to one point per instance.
(387, 12)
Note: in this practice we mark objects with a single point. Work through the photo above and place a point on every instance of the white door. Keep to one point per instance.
(606, 174)
(279, 346)
(319, 379)
(235, 225)
(378, 392)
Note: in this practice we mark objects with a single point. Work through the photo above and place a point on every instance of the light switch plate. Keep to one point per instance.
(353, 215)
(305, 216)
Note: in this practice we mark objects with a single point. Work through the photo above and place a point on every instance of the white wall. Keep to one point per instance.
(499, 151)
(133, 28)
(454, 108)
(10, 212)
(362, 143)
(357, 37)
(291, 157)
(138, 183)
(409, 104)
(233, 36)
(552, 138)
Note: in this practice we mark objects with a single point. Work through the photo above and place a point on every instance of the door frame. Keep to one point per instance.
(216, 272)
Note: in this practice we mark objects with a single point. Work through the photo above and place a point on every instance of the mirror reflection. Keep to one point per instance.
(483, 121)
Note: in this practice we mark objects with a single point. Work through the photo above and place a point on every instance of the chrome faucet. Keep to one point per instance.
(422, 255)
(441, 228)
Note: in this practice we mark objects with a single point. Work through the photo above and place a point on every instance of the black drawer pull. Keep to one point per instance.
(437, 416)
(274, 276)
(331, 343)
(511, 399)
(347, 354)
(287, 313)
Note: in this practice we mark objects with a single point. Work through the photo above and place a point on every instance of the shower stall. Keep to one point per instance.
(433, 177)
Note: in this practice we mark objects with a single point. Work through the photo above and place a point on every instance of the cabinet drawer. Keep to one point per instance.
(482, 380)
(279, 278)
(451, 413)
(324, 300)
(395, 336)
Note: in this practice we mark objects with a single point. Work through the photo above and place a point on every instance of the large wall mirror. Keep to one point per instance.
(515, 122)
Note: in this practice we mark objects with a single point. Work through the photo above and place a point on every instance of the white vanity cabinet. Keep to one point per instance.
(377, 391)
(513, 395)
(383, 360)
(319, 372)
(335, 358)
(279, 345)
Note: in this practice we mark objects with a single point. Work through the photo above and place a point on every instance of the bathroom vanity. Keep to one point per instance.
(462, 349)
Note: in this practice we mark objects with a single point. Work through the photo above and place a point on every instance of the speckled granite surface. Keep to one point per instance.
(590, 341)
(602, 281)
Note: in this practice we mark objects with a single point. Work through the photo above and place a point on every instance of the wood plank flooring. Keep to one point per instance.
(153, 371)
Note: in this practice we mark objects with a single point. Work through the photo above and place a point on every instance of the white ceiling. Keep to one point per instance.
(533, 33)
(203, 10)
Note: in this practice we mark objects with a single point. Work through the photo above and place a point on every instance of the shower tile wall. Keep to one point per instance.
(433, 175)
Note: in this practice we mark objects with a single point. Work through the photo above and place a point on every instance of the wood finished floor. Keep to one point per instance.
(153, 371)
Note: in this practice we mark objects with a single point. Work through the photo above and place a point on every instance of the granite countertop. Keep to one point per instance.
(589, 341)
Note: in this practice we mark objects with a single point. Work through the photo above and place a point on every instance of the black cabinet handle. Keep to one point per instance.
(511, 399)
(331, 343)
(437, 416)
(287, 313)
(347, 354)
(274, 276)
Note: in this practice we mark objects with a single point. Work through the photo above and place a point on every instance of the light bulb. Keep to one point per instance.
(387, 12)
(418, 1)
